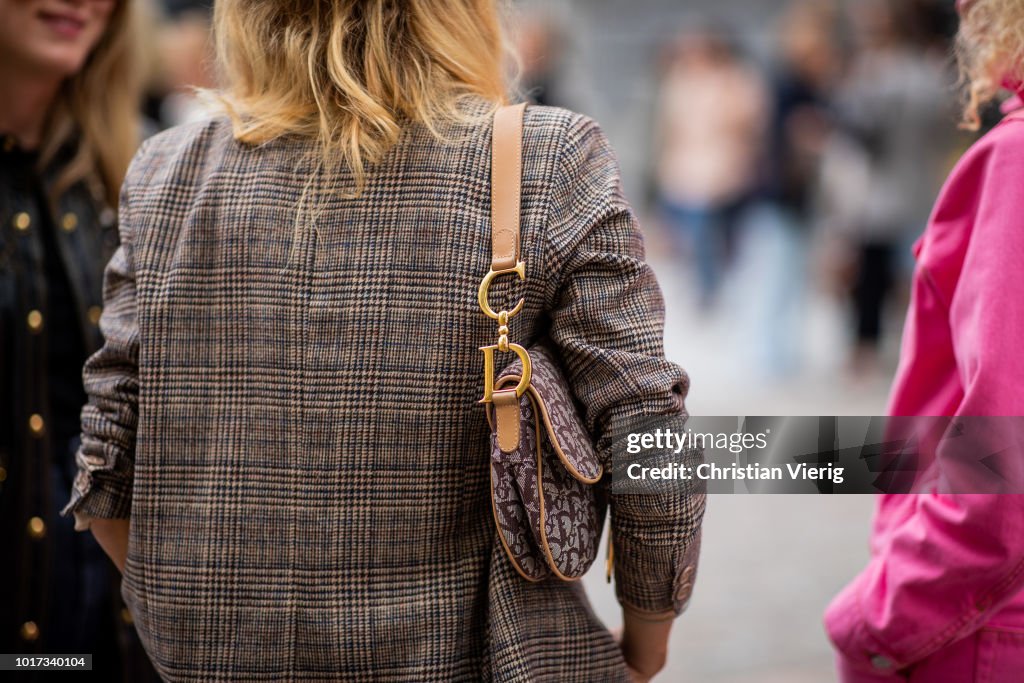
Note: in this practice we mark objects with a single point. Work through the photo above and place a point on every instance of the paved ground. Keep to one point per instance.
(769, 564)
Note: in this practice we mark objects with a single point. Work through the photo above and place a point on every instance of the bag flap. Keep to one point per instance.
(565, 430)
(546, 517)
(516, 514)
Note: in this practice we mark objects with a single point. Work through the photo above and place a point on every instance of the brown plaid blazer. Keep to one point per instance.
(286, 407)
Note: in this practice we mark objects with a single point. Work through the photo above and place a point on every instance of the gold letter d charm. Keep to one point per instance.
(524, 381)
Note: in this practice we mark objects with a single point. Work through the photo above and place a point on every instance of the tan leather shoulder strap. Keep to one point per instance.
(506, 177)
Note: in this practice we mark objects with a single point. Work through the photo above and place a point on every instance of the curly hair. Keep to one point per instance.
(990, 50)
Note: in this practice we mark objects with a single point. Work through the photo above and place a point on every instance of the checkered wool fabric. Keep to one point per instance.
(286, 406)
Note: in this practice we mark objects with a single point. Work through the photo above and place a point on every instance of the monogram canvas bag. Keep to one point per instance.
(543, 464)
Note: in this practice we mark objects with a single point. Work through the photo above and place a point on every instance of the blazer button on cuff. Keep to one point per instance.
(69, 222)
(881, 662)
(94, 314)
(22, 221)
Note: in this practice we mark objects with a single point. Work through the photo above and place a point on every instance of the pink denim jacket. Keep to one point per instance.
(942, 599)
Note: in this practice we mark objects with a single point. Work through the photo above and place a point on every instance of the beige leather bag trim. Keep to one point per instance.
(506, 412)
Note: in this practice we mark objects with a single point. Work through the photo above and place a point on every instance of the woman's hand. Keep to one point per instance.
(644, 644)
(635, 676)
(112, 535)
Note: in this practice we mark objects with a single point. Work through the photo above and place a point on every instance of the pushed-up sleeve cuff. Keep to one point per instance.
(96, 495)
(655, 582)
(106, 455)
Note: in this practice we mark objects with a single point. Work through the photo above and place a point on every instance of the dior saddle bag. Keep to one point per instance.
(543, 465)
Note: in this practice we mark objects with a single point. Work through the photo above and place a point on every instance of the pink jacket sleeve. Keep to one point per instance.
(946, 570)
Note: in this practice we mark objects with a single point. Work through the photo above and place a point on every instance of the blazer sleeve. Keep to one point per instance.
(106, 457)
(607, 321)
(960, 558)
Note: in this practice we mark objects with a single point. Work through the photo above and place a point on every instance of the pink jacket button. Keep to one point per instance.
(880, 662)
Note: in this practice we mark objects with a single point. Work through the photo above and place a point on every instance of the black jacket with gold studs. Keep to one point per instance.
(62, 596)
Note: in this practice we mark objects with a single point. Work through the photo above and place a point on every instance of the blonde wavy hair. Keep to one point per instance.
(349, 73)
(98, 110)
(990, 50)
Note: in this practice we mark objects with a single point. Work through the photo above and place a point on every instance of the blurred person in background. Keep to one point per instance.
(68, 127)
(539, 44)
(893, 104)
(710, 122)
(184, 50)
(771, 273)
(803, 82)
(942, 598)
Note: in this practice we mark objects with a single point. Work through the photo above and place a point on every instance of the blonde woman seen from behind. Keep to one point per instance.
(285, 407)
